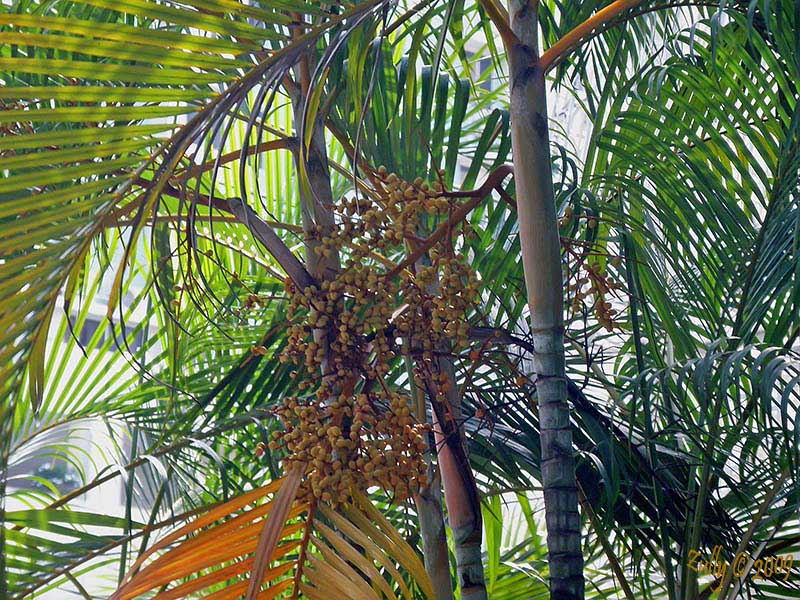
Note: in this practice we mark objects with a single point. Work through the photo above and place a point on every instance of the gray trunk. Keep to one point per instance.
(434, 536)
(541, 257)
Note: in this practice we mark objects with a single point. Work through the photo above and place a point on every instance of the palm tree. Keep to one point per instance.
(161, 116)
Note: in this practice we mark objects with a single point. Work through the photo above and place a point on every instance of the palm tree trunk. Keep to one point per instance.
(316, 205)
(428, 501)
(460, 488)
(541, 259)
(466, 523)
(434, 537)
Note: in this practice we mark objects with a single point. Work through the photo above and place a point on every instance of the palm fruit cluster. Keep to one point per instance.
(590, 285)
(591, 289)
(345, 423)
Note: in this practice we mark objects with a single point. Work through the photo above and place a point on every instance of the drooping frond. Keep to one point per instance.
(351, 551)
(125, 112)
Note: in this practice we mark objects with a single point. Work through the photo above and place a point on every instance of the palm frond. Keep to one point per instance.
(352, 550)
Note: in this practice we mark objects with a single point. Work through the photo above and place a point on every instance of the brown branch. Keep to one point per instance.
(270, 240)
(273, 527)
(301, 558)
(282, 144)
(288, 143)
(499, 18)
(219, 219)
(574, 38)
(492, 182)
(244, 214)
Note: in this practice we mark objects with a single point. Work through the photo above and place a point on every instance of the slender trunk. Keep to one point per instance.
(463, 505)
(316, 201)
(460, 488)
(434, 537)
(429, 510)
(316, 204)
(541, 259)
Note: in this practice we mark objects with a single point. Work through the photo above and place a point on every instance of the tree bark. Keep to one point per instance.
(541, 259)
(460, 488)
(316, 205)
(434, 537)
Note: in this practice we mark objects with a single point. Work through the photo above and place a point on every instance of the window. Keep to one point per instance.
(89, 328)
(485, 75)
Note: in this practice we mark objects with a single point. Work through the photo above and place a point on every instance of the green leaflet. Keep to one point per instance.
(55, 157)
(83, 114)
(70, 137)
(127, 50)
(100, 93)
(109, 72)
(125, 33)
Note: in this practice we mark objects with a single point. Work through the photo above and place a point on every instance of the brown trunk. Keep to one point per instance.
(463, 508)
(460, 488)
(541, 258)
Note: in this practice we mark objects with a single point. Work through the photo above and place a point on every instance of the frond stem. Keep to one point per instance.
(492, 182)
(574, 38)
(303, 549)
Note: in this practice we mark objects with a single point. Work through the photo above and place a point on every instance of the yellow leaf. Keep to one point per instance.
(404, 553)
(373, 550)
(359, 560)
(341, 570)
(273, 527)
(216, 513)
